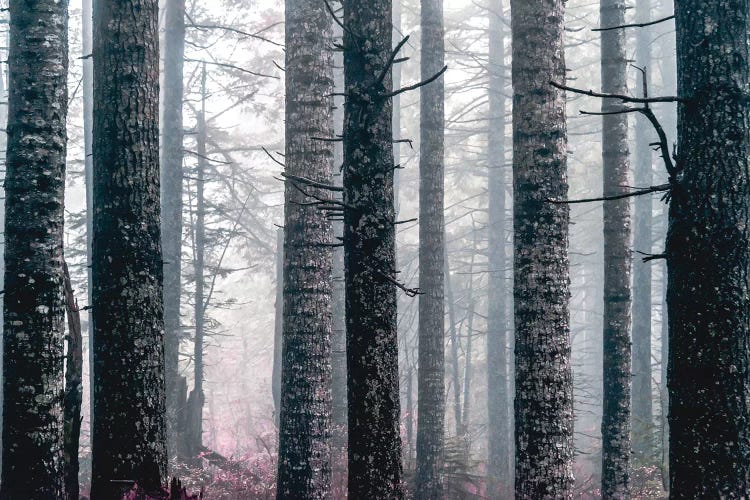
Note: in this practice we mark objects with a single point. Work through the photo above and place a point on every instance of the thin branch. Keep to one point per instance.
(640, 192)
(233, 30)
(391, 60)
(312, 183)
(272, 158)
(232, 66)
(416, 85)
(624, 98)
(635, 25)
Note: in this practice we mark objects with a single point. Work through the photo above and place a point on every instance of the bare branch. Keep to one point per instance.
(624, 98)
(639, 192)
(416, 85)
(635, 25)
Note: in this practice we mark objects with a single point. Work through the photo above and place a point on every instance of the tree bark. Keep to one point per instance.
(499, 464)
(708, 254)
(306, 405)
(431, 353)
(34, 302)
(643, 425)
(375, 468)
(73, 390)
(171, 205)
(544, 388)
(617, 260)
(129, 434)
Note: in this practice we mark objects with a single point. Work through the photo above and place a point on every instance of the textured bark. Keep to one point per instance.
(369, 244)
(305, 425)
(171, 204)
(544, 386)
(431, 362)
(129, 434)
(642, 418)
(708, 253)
(617, 260)
(34, 302)
(73, 390)
(196, 399)
(499, 470)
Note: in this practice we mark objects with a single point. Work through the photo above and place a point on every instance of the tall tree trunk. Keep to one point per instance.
(544, 384)
(129, 434)
(617, 259)
(499, 475)
(306, 405)
(73, 390)
(87, 94)
(171, 207)
(708, 253)
(643, 428)
(431, 354)
(375, 468)
(34, 302)
(196, 399)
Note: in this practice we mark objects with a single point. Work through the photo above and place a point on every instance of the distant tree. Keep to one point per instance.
(306, 405)
(708, 254)
(499, 402)
(375, 469)
(171, 199)
(544, 385)
(616, 448)
(431, 364)
(34, 303)
(129, 434)
(642, 398)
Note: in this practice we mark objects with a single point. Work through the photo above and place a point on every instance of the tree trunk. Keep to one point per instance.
(499, 475)
(73, 390)
(129, 434)
(617, 259)
(643, 428)
(369, 244)
(708, 251)
(196, 399)
(544, 385)
(431, 354)
(171, 208)
(306, 405)
(453, 337)
(34, 303)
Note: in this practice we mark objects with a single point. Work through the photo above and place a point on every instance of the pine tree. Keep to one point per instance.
(708, 254)
(129, 435)
(431, 364)
(34, 302)
(544, 388)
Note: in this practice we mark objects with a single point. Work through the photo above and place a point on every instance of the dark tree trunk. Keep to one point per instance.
(73, 390)
(499, 470)
(34, 302)
(369, 244)
(544, 385)
(196, 399)
(129, 434)
(643, 427)
(617, 259)
(305, 426)
(171, 207)
(708, 253)
(431, 362)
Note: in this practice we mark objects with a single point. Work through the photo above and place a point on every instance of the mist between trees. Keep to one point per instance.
(397, 249)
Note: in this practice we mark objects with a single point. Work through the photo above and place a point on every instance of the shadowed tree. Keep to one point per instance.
(499, 405)
(34, 302)
(617, 258)
(375, 468)
(708, 254)
(306, 405)
(171, 208)
(544, 385)
(129, 435)
(431, 364)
